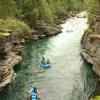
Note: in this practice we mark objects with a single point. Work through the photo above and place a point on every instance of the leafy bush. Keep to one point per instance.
(2, 23)
(91, 20)
(16, 26)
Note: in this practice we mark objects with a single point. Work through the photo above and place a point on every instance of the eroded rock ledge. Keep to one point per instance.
(91, 46)
(8, 58)
(6, 69)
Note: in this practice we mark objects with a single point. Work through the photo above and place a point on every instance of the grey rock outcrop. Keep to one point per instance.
(48, 30)
(91, 47)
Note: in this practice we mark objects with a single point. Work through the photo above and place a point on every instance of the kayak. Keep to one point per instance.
(32, 94)
(46, 65)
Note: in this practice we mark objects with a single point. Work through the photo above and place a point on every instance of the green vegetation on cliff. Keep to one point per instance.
(93, 7)
(15, 25)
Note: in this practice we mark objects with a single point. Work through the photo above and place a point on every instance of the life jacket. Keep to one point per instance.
(32, 94)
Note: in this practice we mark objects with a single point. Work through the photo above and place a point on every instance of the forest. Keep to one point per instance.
(22, 15)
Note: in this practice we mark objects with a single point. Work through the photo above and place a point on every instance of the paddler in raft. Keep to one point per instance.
(36, 91)
(43, 60)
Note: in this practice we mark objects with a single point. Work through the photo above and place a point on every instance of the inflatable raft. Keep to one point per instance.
(45, 65)
(32, 94)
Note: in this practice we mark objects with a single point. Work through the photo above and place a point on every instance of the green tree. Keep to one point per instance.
(45, 11)
(7, 8)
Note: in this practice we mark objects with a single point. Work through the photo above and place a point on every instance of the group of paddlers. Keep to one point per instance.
(34, 90)
(44, 61)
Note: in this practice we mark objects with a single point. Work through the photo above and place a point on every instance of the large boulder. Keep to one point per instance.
(52, 30)
(48, 29)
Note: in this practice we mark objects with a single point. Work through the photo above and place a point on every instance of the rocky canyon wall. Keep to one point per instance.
(91, 46)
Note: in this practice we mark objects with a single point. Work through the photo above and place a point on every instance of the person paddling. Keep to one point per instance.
(43, 60)
(48, 61)
(28, 96)
(37, 92)
(33, 94)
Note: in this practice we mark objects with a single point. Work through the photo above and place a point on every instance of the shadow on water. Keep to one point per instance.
(88, 85)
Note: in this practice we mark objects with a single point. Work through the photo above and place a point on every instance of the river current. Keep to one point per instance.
(69, 77)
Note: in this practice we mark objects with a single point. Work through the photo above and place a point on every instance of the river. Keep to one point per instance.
(69, 77)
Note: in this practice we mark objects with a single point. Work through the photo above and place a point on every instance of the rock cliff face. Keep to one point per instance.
(91, 46)
(6, 69)
(7, 60)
